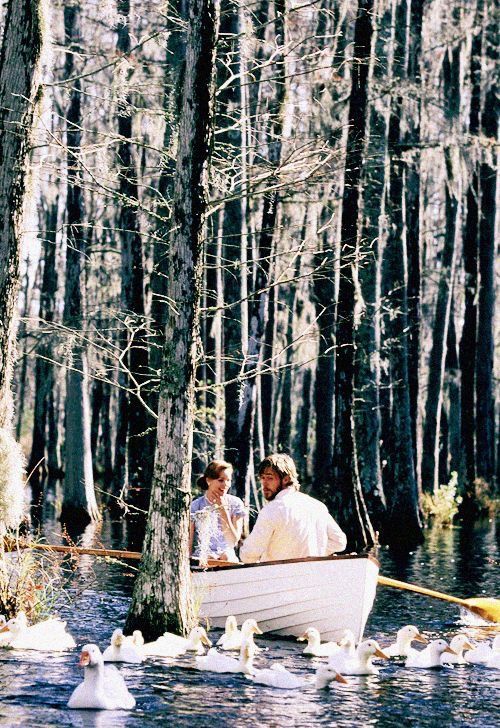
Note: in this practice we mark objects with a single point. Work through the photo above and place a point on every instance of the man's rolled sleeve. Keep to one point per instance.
(256, 543)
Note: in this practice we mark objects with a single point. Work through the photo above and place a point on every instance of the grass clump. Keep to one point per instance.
(442, 506)
(31, 582)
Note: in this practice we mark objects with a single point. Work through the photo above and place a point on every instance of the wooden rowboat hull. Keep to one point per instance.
(333, 594)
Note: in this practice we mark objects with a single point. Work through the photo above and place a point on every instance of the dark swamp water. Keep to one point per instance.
(34, 687)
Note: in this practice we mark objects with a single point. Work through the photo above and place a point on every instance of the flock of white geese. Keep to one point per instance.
(103, 687)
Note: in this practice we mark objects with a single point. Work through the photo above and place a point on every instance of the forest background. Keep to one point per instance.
(345, 308)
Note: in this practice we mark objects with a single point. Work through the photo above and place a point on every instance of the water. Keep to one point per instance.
(34, 687)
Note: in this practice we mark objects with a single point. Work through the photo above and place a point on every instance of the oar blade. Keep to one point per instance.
(485, 607)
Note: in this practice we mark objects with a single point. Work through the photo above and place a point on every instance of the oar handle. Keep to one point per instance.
(385, 581)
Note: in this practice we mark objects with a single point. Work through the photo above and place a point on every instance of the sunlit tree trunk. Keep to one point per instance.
(161, 599)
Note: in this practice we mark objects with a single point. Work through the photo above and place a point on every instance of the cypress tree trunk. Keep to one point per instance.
(467, 350)
(79, 503)
(485, 411)
(44, 370)
(161, 599)
(19, 91)
(345, 495)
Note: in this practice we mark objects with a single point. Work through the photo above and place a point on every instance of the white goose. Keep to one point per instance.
(277, 676)
(231, 639)
(103, 688)
(215, 661)
(482, 653)
(494, 661)
(346, 652)
(314, 645)
(404, 637)
(361, 662)
(458, 644)
(431, 656)
(249, 628)
(171, 645)
(122, 650)
(47, 636)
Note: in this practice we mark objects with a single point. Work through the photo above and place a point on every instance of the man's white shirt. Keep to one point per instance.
(292, 526)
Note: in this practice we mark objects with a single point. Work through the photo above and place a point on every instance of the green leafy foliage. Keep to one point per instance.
(442, 506)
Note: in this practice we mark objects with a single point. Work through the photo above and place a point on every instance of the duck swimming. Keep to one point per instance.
(361, 662)
(314, 646)
(249, 628)
(431, 656)
(458, 644)
(215, 661)
(171, 645)
(47, 636)
(404, 637)
(345, 653)
(103, 688)
(122, 650)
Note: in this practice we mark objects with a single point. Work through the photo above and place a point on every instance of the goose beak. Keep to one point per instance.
(420, 638)
(205, 640)
(84, 659)
(302, 638)
(468, 646)
(341, 679)
(448, 649)
(4, 629)
(378, 653)
(257, 630)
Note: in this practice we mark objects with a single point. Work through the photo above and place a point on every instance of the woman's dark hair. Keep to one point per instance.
(212, 471)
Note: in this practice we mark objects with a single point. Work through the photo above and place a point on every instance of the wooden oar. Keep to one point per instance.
(486, 607)
(110, 553)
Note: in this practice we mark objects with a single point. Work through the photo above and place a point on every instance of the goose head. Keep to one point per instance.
(348, 642)
(438, 647)
(231, 625)
(369, 649)
(17, 624)
(249, 627)
(137, 638)
(90, 656)
(312, 636)
(198, 636)
(459, 643)
(117, 638)
(407, 635)
(325, 675)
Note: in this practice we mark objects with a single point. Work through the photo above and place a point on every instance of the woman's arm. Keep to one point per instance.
(233, 525)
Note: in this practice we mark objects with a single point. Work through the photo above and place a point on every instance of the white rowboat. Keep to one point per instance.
(331, 593)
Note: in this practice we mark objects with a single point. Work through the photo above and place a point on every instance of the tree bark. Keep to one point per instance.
(20, 63)
(161, 599)
(79, 504)
(345, 495)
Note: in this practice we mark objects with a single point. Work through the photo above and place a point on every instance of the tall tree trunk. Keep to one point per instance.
(136, 477)
(485, 410)
(367, 330)
(345, 495)
(22, 336)
(468, 341)
(19, 91)
(79, 504)
(44, 370)
(161, 598)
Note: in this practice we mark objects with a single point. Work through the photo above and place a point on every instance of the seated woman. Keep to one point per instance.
(216, 517)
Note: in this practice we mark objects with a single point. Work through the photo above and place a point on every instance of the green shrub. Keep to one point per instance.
(442, 506)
